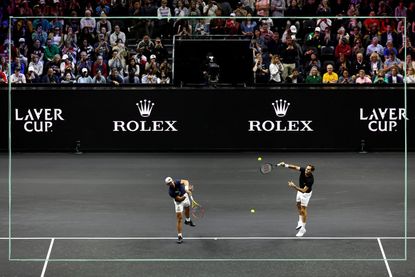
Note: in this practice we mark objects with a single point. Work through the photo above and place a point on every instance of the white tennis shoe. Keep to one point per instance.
(301, 232)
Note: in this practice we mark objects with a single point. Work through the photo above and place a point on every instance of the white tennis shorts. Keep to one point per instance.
(303, 198)
(179, 206)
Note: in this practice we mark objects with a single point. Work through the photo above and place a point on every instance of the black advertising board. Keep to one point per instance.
(206, 119)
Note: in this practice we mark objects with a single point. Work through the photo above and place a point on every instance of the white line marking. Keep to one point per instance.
(207, 238)
(384, 258)
(47, 258)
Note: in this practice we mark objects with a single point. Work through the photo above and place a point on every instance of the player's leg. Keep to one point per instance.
(186, 204)
(179, 210)
(305, 198)
(300, 220)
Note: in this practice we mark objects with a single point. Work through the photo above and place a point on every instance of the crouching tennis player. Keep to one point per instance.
(180, 191)
(304, 192)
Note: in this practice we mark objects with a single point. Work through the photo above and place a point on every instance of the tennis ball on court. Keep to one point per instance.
(253, 211)
(259, 159)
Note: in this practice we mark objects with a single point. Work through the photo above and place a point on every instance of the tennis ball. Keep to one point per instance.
(253, 211)
(259, 159)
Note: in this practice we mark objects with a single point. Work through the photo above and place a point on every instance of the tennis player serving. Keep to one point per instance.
(304, 191)
(181, 192)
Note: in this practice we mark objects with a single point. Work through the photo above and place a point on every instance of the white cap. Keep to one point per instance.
(65, 57)
(317, 29)
(84, 69)
(22, 40)
(152, 57)
(293, 29)
(168, 180)
(232, 14)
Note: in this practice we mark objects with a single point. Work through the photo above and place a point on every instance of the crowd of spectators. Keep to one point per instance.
(91, 47)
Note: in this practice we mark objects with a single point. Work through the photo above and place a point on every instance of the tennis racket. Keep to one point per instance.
(267, 168)
(197, 210)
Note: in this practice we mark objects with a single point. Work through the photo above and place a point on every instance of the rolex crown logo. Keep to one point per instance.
(145, 107)
(281, 107)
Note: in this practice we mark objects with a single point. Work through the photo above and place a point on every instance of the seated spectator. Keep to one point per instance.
(201, 28)
(84, 77)
(83, 63)
(56, 36)
(88, 22)
(67, 79)
(358, 47)
(55, 64)
(159, 50)
(3, 77)
(133, 66)
(70, 36)
(394, 78)
(232, 27)
(276, 68)
(295, 77)
(391, 62)
(50, 77)
(248, 26)
(131, 78)
(362, 78)
(87, 48)
(67, 65)
(102, 8)
(374, 47)
(314, 76)
(17, 63)
(102, 48)
(260, 70)
(344, 48)
(23, 51)
(99, 78)
(380, 78)
(358, 64)
(262, 7)
(345, 78)
(51, 50)
(17, 77)
(278, 8)
(410, 63)
(388, 49)
(117, 61)
(314, 61)
(389, 35)
(70, 50)
(37, 65)
(164, 78)
(114, 78)
(375, 64)
(330, 77)
(116, 36)
(410, 76)
(342, 63)
(150, 78)
(180, 9)
(32, 77)
(38, 50)
(100, 65)
(40, 35)
(152, 65)
(145, 46)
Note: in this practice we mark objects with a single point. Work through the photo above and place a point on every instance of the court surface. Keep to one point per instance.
(107, 214)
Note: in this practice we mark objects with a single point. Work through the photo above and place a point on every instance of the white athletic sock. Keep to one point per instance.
(179, 235)
(187, 219)
(304, 224)
(300, 218)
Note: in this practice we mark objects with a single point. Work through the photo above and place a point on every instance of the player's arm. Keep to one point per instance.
(303, 190)
(179, 198)
(187, 186)
(291, 166)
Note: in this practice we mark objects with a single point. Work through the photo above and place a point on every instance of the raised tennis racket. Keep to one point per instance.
(267, 168)
(197, 210)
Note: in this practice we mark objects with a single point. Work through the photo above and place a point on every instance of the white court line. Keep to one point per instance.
(384, 258)
(207, 238)
(47, 258)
